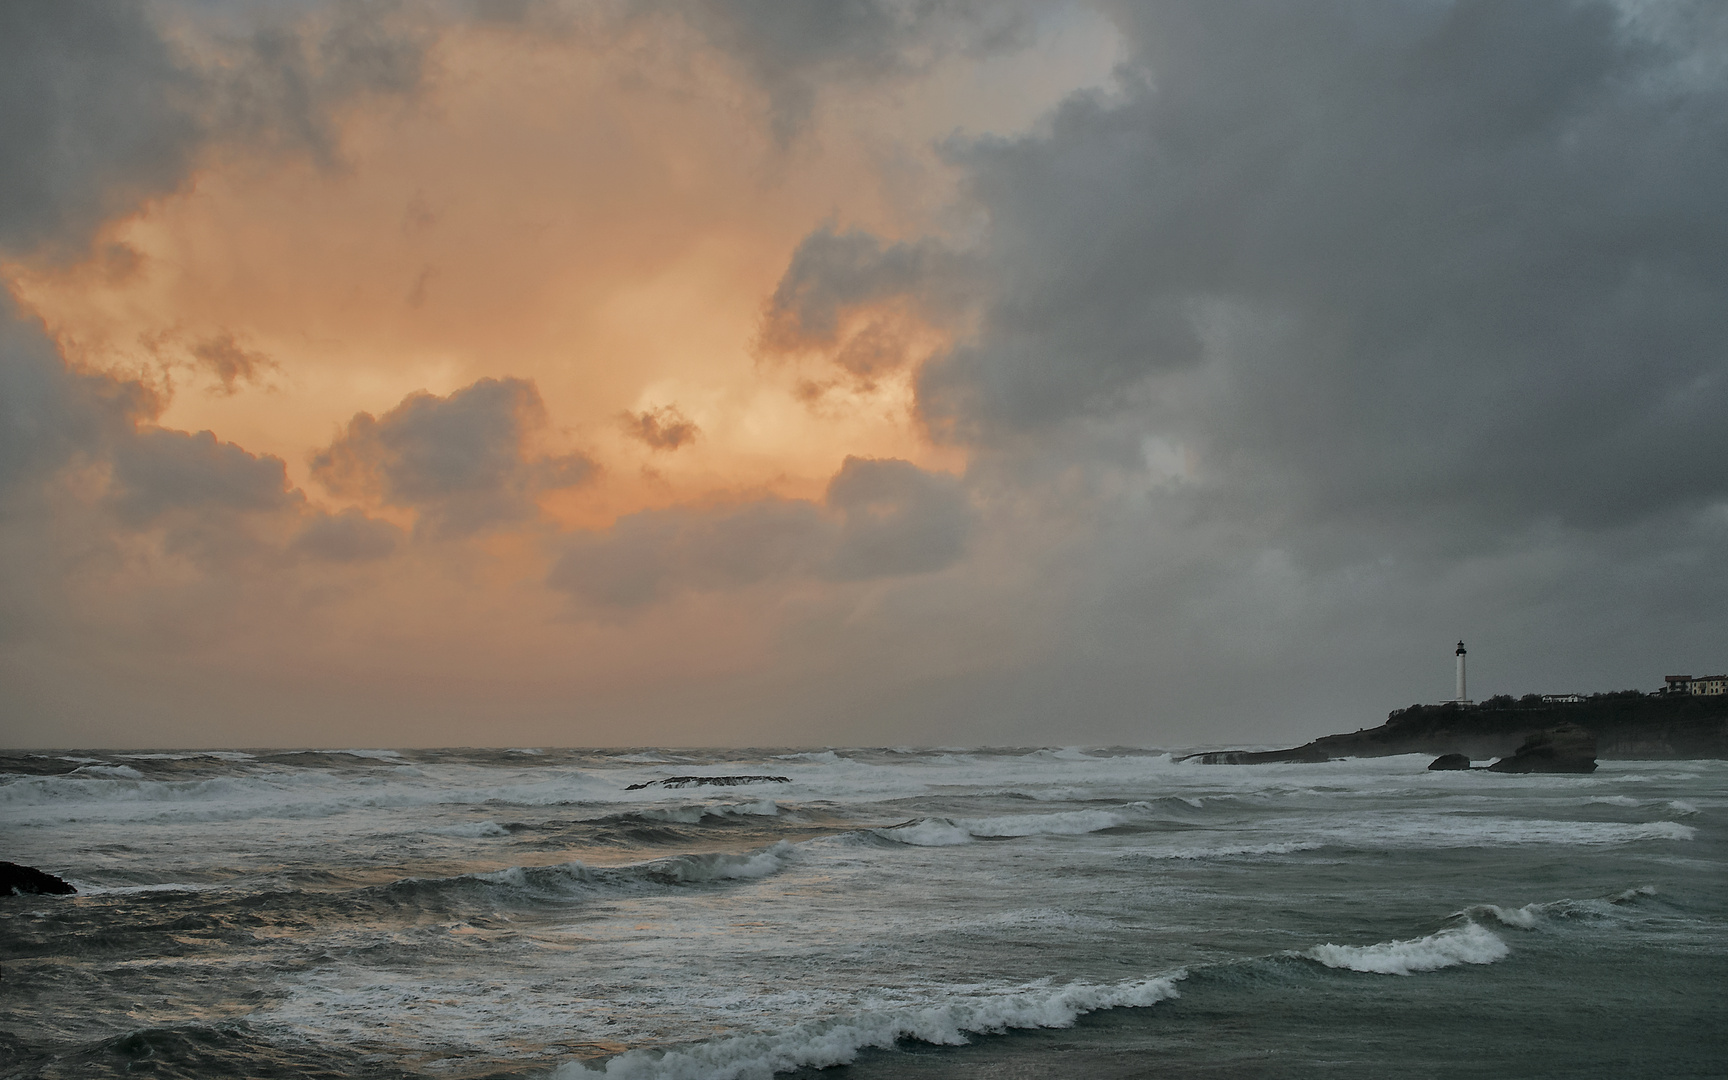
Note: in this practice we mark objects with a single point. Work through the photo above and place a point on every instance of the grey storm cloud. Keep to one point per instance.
(834, 273)
(463, 462)
(895, 519)
(347, 537)
(98, 111)
(161, 470)
(50, 414)
(1470, 257)
(792, 51)
(880, 518)
(94, 116)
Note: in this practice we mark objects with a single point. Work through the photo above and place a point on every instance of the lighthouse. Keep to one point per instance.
(1462, 700)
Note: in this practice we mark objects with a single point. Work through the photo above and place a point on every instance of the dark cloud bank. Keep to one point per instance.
(1429, 301)
(1331, 333)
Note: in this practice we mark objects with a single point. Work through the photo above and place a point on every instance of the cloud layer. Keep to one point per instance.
(1292, 342)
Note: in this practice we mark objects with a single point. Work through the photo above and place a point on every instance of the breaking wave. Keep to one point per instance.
(1530, 916)
(944, 832)
(1467, 944)
(565, 882)
(824, 1043)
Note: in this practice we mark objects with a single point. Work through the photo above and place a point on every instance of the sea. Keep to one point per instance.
(875, 913)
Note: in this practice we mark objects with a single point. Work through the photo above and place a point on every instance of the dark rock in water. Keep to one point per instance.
(709, 781)
(1564, 749)
(17, 880)
(1449, 762)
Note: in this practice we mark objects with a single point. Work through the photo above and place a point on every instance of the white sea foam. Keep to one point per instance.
(1681, 806)
(944, 832)
(563, 883)
(1223, 851)
(128, 890)
(1530, 916)
(193, 755)
(114, 772)
(1467, 944)
(475, 830)
(695, 813)
(825, 1043)
(929, 832)
(1446, 830)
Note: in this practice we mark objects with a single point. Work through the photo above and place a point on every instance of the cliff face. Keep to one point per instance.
(1626, 725)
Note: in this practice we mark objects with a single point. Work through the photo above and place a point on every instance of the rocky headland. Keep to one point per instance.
(1625, 724)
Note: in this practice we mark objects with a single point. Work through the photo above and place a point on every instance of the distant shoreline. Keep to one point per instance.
(1628, 725)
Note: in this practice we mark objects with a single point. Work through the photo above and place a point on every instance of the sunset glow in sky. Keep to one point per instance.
(491, 373)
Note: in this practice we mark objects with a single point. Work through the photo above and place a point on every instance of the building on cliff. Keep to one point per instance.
(1699, 685)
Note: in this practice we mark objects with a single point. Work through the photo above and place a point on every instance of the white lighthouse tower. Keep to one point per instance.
(1461, 699)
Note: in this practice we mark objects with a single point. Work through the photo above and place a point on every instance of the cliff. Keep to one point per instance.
(1627, 724)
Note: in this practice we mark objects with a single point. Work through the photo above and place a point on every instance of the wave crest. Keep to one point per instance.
(565, 882)
(825, 1043)
(943, 832)
(1467, 944)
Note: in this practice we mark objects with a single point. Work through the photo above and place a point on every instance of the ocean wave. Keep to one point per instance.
(161, 887)
(191, 755)
(116, 772)
(1225, 851)
(690, 814)
(1530, 916)
(1467, 944)
(269, 791)
(945, 832)
(564, 882)
(825, 1043)
(1467, 830)
(471, 830)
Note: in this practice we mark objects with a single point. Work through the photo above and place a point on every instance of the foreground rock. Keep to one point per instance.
(709, 781)
(17, 880)
(1564, 749)
(1449, 763)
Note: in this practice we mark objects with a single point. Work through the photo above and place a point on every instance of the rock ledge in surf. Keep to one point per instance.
(1563, 749)
(709, 781)
(18, 880)
(1449, 763)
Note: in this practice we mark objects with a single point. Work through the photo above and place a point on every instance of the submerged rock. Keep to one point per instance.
(1563, 749)
(1449, 762)
(709, 781)
(17, 880)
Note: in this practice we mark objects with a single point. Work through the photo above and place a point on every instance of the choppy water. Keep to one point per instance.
(964, 913)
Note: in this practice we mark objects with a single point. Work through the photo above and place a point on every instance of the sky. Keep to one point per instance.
(865, 373)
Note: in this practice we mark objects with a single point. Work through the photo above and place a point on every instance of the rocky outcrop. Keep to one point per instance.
(1627, 724)
(709, 781)
(1449, 763)
(1564, 749)
(17, 880)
